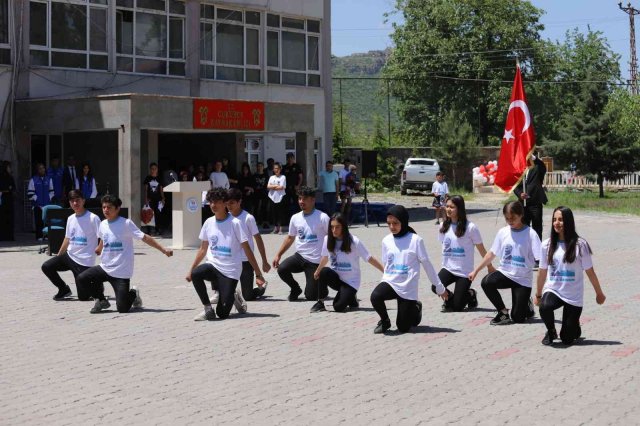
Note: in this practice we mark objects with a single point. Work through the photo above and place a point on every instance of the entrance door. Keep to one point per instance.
(253, 152)
(44, 148)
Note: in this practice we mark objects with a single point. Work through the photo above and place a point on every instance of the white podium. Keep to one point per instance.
(187, 212)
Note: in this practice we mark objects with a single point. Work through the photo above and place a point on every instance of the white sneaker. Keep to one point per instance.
(214, 298)
(205, 316)
(239, 302)
(137, 302)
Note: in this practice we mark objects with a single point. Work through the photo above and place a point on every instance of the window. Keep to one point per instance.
(229, 44)
(150, 36)
(5, 48)
(293, 51)
(69, 33)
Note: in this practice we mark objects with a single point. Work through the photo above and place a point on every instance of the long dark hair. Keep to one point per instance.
(346, 236)
(571, 237)
(90, 174)
(462, 217)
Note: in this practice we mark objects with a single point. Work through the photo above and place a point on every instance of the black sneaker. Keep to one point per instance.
(293, 295)
(318, 307)
(382, 327)
(63, 293)
(501, 319)
(419, 317)
(549, 336)
(473, 299)
(532, 312)
(99, 306)
(445, 308)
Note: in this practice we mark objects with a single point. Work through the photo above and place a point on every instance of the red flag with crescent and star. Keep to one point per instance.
(518, 141)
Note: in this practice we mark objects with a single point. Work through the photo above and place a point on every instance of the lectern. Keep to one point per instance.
(187, 212)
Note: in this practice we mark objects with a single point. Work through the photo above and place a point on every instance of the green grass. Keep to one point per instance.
(613, 202)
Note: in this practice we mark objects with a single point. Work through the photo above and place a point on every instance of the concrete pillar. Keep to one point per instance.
(304, 156)
(129, 164)
(192, 11)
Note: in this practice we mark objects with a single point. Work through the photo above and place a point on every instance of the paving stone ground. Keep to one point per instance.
(279, 364)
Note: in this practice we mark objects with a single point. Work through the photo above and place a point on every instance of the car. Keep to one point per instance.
(418, 174)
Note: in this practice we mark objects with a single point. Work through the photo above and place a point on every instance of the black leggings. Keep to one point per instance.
(246, 282)
(94, 277)
(64, 263)
(346, 294)
(295, 264)
(224, 285)
(570, 317)
(520, 295)
(460, 297)
(408, 313)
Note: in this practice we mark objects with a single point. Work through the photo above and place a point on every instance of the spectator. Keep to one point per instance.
(269, 169)
(231, 175)
(219, 178)
(70, 176)
(55, 173)
(533, 197)
(293, 172)
(277, 186)
(260, 196)
(245, 185)
(330, 186)
(7, 190)
(345, 194)
(154, 196)
(40, 192)
(87, 184)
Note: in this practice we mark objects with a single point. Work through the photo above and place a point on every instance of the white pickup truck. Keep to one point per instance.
(418, 174)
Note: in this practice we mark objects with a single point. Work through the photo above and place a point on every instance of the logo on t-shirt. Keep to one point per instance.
(560, 275)
(510, 259)
(306, 237)
(334, 261)
(216, 250)
(112, 246)
(449, 251)
(395, 268)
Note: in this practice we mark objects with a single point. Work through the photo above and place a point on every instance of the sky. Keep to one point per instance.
(359, 25)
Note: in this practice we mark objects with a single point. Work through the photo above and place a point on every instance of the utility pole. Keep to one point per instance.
(634, 61)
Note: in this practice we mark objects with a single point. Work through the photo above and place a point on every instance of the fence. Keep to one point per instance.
(564, 179)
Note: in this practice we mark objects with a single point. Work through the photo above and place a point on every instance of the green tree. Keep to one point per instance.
(434, 77)
(588, 137)
(457, 148)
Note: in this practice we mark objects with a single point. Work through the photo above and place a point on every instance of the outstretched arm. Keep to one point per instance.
(263, 254)
(202, 251)
(283, 248)
(149, 240)
(488, 258)
(600, 297)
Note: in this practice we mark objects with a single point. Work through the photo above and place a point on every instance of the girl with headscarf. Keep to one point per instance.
(403, 252)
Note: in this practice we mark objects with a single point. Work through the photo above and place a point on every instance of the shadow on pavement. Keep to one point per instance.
(252, 315)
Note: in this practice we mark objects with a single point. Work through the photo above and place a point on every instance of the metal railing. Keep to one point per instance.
(564, 179)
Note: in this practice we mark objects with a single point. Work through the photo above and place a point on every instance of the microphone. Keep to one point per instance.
(172, 176)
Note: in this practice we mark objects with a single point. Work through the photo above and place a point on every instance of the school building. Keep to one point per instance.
(122, 83)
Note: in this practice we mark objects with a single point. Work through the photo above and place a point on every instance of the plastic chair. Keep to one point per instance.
(50, 225)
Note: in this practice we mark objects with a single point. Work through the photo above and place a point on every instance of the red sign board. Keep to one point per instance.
(228, 115)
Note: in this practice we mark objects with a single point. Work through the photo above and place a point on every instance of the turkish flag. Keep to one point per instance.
(518, 141)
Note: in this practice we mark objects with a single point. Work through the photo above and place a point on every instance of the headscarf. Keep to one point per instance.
(400, 213)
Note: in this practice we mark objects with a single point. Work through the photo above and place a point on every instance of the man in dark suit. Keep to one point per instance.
(534, 195)
(69, 177)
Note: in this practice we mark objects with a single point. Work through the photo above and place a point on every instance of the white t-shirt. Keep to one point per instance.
(225, 244)
(82, 232)
(440, 188)
(117, 253)
(566, 280)
(309, 231)
(219, 180)
(343, 179)
(250, 229)
(457, 253)
(402, 258)
(277, 194)
(517, 250)
(347, 265)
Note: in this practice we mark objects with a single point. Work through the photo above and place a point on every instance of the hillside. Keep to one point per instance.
(362, 100)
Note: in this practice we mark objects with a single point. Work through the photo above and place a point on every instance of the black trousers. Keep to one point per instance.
(64, 263)
(279, 212)
(296, 264)
(459, 298)
(37, 220)
(570, 317)
(408, 312)
(93, 279)
(222, 284)
(346, 294)
(157, 214)
(246, 282)
(260, 207)
(533, 218)
(519, 295)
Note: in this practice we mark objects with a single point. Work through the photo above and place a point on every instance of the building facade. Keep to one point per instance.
(121, 83)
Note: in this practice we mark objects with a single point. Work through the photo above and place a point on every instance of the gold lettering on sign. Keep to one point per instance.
(256, 117)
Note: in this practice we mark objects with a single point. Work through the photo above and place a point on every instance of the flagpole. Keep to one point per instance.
(524, 186)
